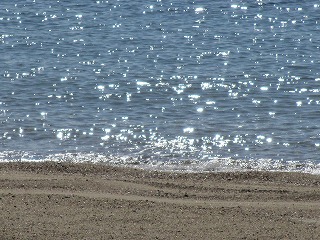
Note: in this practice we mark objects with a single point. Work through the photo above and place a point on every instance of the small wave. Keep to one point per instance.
(167, 164)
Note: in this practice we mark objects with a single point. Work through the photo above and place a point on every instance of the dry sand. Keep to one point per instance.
(86, 201)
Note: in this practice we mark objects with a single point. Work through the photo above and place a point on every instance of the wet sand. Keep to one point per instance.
(86, 201)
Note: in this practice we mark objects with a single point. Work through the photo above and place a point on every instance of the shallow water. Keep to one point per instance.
(208, 85)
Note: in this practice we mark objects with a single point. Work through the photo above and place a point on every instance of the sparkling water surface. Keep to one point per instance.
(193, 85)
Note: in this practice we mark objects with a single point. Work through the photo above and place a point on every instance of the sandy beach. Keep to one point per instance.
(86, 201)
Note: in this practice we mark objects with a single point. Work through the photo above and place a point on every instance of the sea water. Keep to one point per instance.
(177, 84)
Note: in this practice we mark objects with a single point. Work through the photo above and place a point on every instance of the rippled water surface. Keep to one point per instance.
(204, 85)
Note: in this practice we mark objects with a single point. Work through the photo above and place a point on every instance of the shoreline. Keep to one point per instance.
(92, 201)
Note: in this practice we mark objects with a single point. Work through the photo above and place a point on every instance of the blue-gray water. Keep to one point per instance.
(198, 85)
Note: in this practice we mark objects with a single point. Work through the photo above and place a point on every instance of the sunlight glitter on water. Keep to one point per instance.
(224, 79)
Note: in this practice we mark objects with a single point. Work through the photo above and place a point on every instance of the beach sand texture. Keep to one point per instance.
(91, 201)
